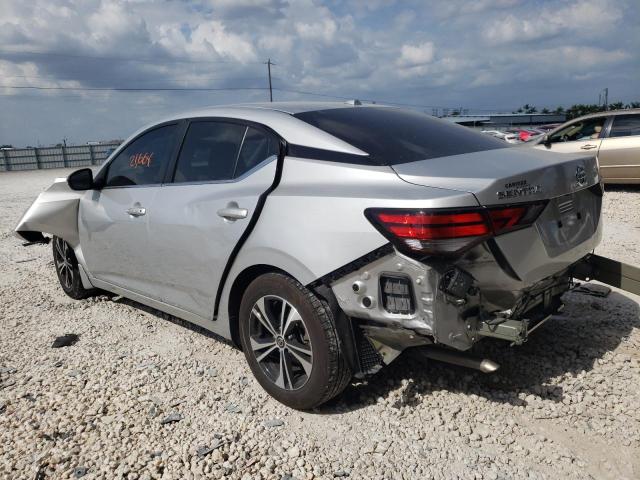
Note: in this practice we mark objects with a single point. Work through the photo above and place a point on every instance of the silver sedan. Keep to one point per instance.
(325, 238)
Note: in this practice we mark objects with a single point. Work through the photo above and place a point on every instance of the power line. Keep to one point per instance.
(135, 89)
(198, 75)
(125, 59)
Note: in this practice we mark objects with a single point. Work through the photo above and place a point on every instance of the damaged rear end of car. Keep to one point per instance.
(494, 266)
(453, 276)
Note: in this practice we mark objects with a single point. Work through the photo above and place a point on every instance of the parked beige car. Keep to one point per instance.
(613, 136)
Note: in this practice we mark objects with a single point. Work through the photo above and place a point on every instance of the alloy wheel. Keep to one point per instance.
(63, 260)
(280, 342)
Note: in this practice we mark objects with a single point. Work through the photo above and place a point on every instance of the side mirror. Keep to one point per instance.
(546, 141)
(81, 180)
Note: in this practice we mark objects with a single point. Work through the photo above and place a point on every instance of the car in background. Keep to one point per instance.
(511, 138)
(548, 127)
(494, 133)
(613, 137)
(526, 134)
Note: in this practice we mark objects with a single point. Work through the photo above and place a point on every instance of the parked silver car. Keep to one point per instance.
(324, 239)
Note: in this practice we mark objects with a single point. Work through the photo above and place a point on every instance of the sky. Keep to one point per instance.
(481, 55)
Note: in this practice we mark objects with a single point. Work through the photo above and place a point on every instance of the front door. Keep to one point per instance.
(113, 222)
(582, 136)
(199, 217)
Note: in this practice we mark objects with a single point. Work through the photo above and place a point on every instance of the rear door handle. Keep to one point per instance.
(137, 211)
(233, 212)
(588, 147)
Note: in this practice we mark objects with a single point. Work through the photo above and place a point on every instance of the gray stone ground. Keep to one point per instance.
(564, 405)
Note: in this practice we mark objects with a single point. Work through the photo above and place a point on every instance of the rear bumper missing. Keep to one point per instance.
(449, 306)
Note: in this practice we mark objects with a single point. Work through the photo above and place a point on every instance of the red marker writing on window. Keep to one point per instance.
(140, 160)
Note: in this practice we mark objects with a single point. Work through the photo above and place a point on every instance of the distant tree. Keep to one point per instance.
(616, 106)
(633, 105)
(526, 108)
(545, 110)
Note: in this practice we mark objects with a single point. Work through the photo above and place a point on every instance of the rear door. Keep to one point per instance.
(113, 221)
(198, 218)
(619, 154)
(581, 136)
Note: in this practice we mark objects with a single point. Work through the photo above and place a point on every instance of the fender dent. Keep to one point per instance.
(55, 212)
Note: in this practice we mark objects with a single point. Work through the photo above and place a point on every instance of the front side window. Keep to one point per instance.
(588, 129)
(256, 147)
(625, 126)
(143, 161)
(209, 152)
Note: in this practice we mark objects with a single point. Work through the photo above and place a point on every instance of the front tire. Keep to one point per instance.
(290, 341)
(68, 271)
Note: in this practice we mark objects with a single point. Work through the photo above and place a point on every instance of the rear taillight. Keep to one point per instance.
(446, 231)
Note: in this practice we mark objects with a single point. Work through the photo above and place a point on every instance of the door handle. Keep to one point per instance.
(232, 212)
(588, 147)
(137, 211)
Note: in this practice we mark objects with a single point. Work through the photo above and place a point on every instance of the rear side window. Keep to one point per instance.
(209, 152)
(143, 161)
(625, 126)
(256, 147)
(392, 136)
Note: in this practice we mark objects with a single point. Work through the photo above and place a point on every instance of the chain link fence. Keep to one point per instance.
(55, 157)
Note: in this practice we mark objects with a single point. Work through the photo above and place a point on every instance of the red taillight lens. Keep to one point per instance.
(442, 232)
(505, 218)
(428, 226)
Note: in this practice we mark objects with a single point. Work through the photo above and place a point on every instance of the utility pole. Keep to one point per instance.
(606, 98)
(269, 63)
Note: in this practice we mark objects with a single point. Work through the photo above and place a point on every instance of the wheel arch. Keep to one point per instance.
(249, 274)
(238, 287)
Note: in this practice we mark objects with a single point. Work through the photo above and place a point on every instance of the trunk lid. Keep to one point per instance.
(567, 229)
(505, 175)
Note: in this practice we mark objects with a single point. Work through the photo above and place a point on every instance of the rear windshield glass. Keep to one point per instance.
(391, 136)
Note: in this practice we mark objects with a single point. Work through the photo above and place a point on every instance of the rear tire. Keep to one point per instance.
(68, 271)
(290, 341)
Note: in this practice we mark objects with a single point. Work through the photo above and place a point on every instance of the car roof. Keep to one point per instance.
(290, 108)
(279, 117)
(626, 111)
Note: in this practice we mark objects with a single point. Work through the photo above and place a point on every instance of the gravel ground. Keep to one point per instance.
(141, 396)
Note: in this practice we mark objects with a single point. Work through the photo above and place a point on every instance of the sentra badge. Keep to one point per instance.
(521, 188)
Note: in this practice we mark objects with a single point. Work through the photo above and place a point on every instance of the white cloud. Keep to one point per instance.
(587, 17)
(214, 36)
(473, 54)
(321, 30)
(278, 44)
(413, 55)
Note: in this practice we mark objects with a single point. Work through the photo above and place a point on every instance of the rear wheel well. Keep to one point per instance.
(238, 288)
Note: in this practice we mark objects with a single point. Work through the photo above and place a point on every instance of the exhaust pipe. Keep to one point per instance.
(457, 358)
